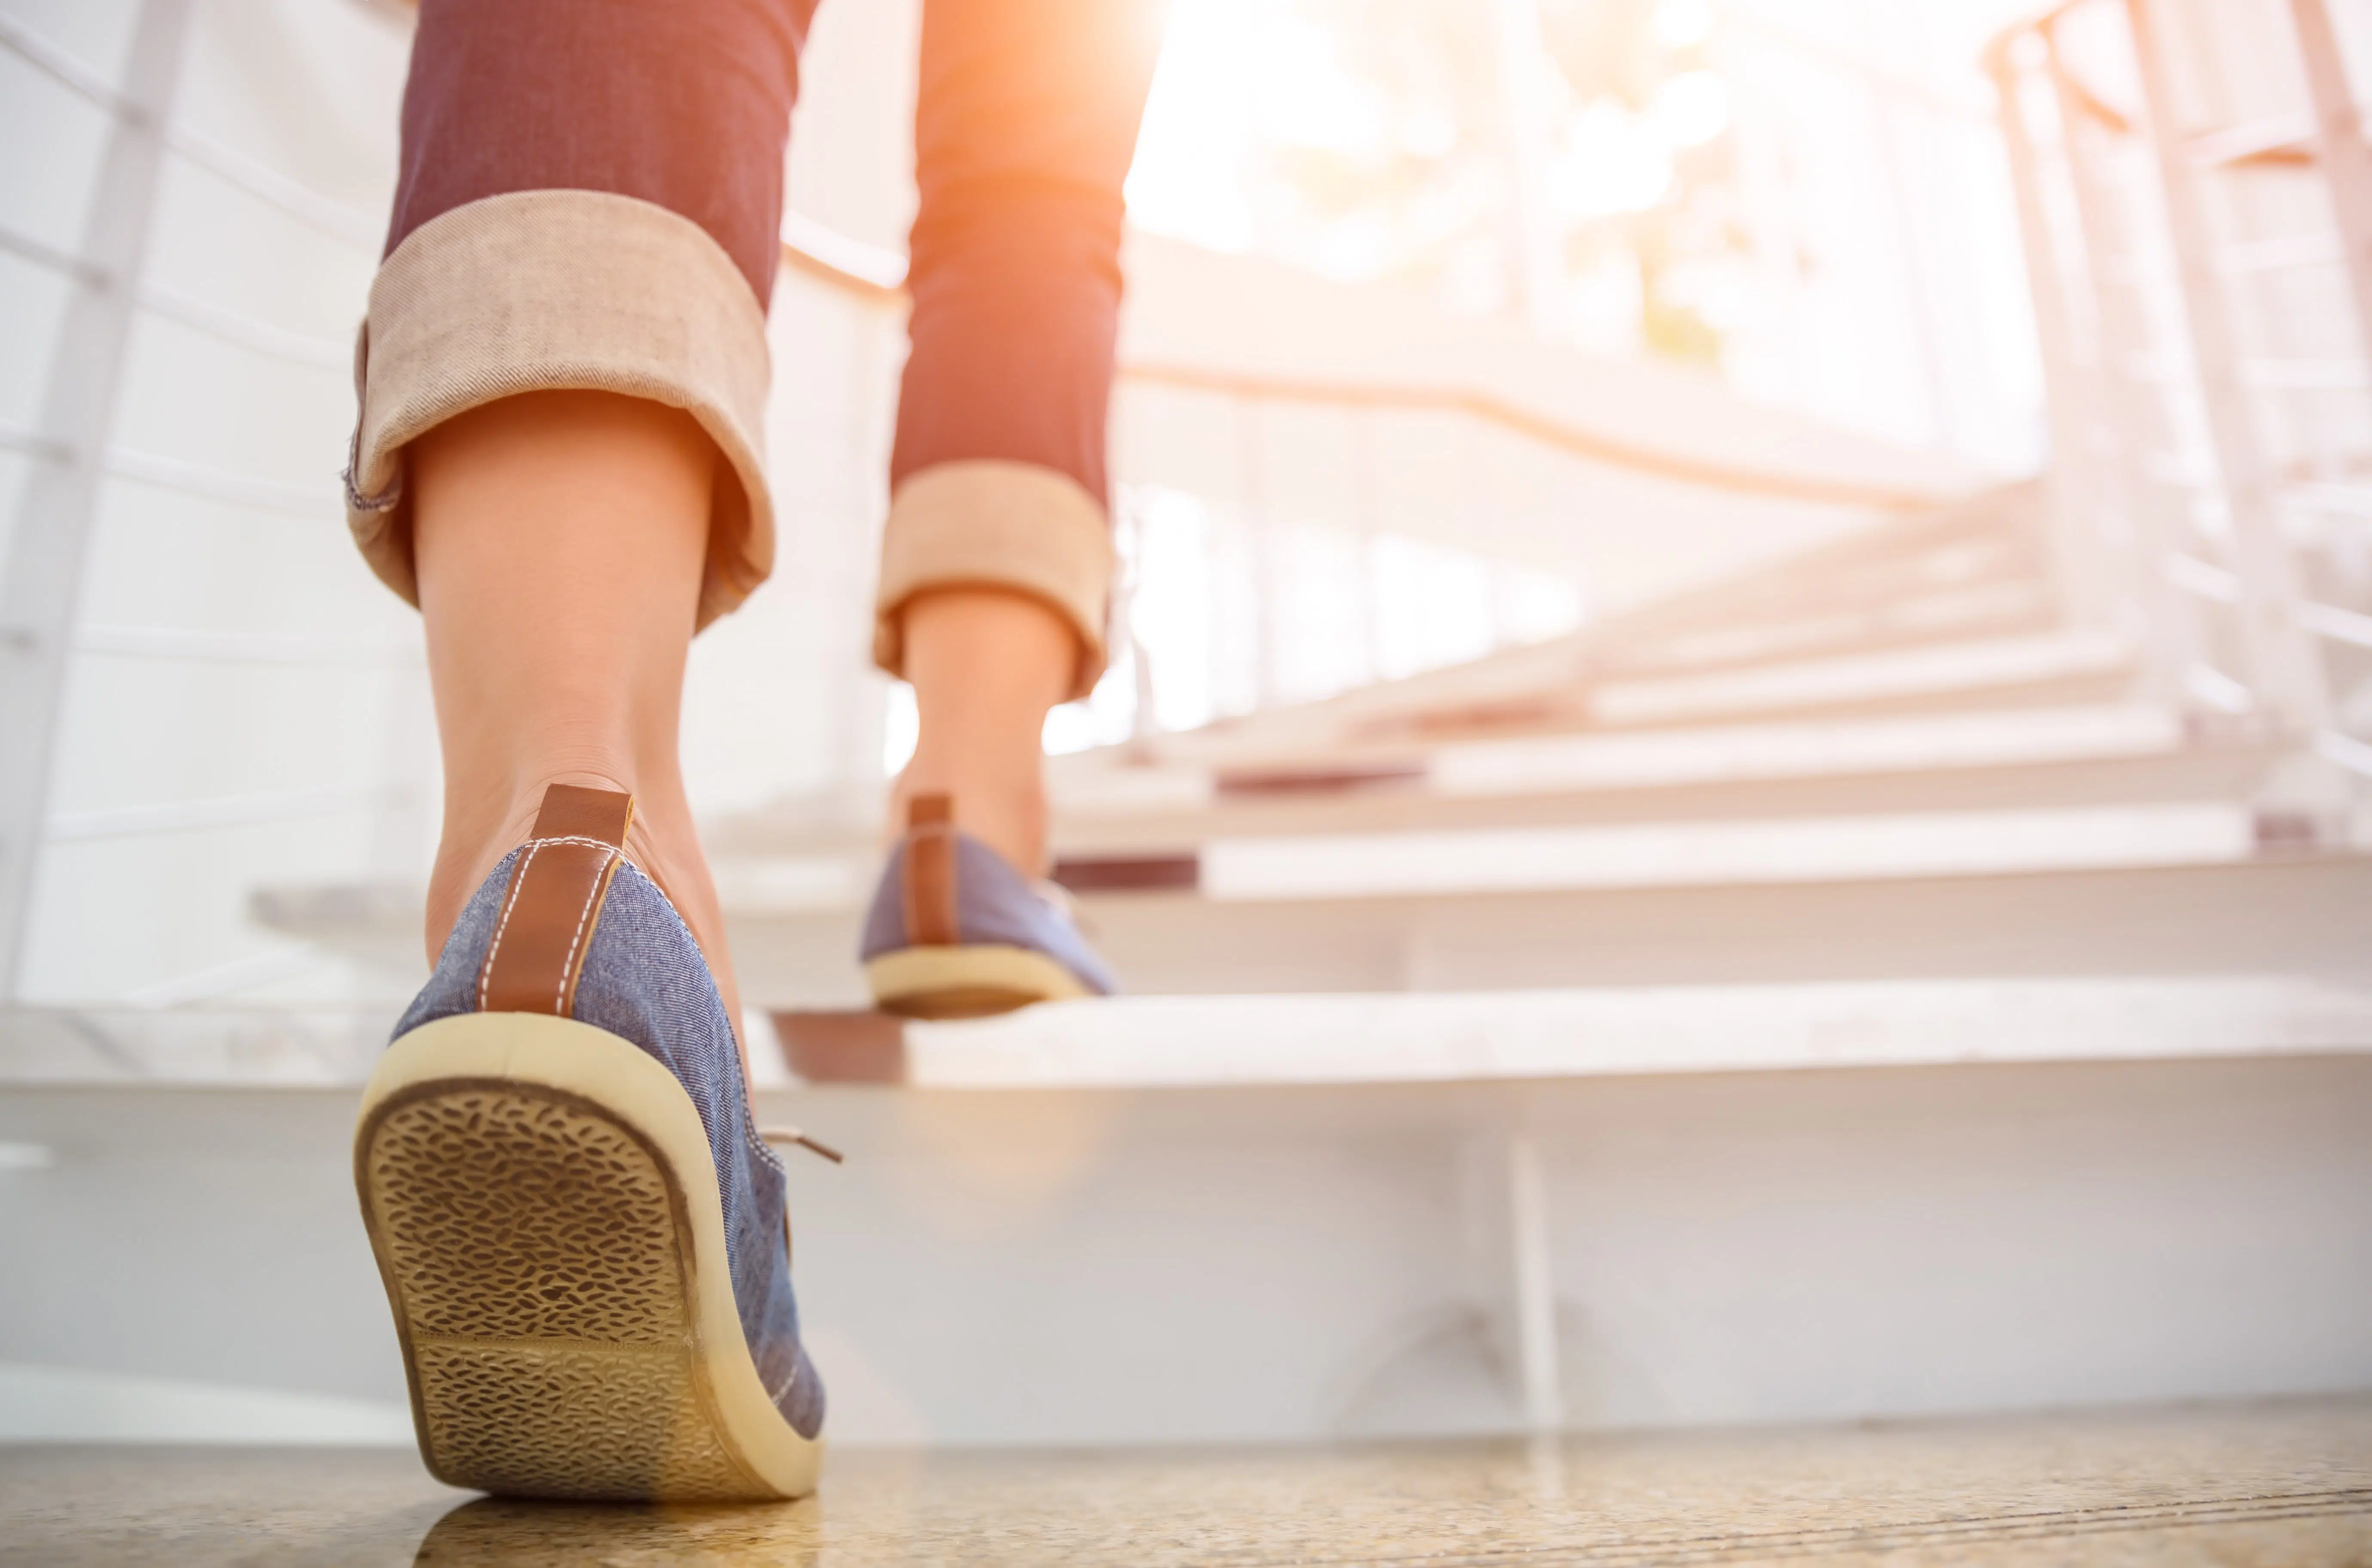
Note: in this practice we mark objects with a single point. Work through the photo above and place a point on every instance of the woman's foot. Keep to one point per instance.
(585, 1244)
(986, 665)
(956, 932)
(961, 925)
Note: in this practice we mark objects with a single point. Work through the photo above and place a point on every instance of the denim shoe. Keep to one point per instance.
(583, 1239)
(955, 932)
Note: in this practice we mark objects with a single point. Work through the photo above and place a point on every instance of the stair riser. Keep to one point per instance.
(1295, 1264)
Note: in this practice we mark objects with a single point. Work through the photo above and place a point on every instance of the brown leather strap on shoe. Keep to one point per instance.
(930, 877)
(554, 901)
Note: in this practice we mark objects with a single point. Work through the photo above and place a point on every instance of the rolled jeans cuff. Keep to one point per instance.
(563, 291)
(996, 524)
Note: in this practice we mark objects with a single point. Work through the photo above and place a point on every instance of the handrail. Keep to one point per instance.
(2339, 625)
(172, 474)
(2284, 637)
(60, 66)
(223, 811)
(1907, 89)
(1566, 437)
(877, 276)
(1996, 49)
(833, 257)
(43, 254)
(297, 200)
(230, 325)
(2339, 746)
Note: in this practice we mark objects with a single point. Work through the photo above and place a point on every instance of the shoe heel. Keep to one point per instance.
(534, 1197)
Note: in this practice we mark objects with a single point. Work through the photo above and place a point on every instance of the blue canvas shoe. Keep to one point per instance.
(583, 1239)
(955, 932)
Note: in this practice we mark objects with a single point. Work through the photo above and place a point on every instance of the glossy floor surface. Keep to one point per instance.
(2274, 1486)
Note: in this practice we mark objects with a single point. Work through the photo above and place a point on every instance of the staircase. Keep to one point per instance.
(1889, 757)
(1922, 972)
(1852, 988)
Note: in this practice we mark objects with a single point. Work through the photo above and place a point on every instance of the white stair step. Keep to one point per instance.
(1743, 752)
(1205, 1041)
(795, 941)
(1851, 848)
(1114, 850)
(1538, 696)
(1949, 670)
(1374, 1038)
(1406, 859)
(1093, 796)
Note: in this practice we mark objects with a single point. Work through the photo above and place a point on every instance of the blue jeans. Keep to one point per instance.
(1026, 120)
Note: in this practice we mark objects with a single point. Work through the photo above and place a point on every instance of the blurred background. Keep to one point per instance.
(1696, 571)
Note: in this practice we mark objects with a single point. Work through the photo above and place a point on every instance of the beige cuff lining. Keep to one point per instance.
(562, 290)
(990, 523)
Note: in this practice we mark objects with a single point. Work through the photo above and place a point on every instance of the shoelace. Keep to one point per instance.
(793, 1136)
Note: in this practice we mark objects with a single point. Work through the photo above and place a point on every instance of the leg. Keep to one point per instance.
(563, 375)
(996, 561)
(986, 666)
(559, 538)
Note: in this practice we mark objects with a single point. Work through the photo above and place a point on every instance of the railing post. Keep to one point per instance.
(1368, 612)
(1532, 1251)
(1261, 543)
(2346, 156)
(1525, 83)
(881, 350)
(42, 575)
(1945, 420)
(2152, 522)
(2284, 669)
(2078, 499)
(1143, 718)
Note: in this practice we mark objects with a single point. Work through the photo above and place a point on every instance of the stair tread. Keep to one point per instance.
(2026, 750)
(1187, 1041)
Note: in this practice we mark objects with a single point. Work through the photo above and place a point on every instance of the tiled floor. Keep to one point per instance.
(2267, 1486)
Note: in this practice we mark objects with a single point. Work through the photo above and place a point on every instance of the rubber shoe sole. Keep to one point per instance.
(543, 1205)
(967, 982)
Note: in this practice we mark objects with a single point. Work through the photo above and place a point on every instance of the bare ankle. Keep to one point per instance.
(986, 665)
(485, 821)
(560, 541)
(661, 841)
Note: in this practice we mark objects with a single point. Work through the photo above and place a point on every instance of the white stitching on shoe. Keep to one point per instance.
(588, 844)
(751, 1141)
(519, 880)
(775, 1395)
(592, 897)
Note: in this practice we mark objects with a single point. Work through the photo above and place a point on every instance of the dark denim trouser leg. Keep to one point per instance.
(591, 197)
(1024, 125)
(682, 103)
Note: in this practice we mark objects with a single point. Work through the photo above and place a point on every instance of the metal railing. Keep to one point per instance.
(875, 275)
(2184, 204)
(70, 448)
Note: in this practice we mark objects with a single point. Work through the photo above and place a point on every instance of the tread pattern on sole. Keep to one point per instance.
(539, 1269)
